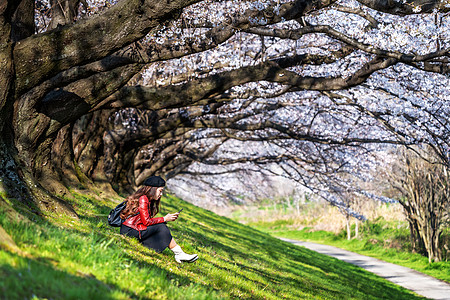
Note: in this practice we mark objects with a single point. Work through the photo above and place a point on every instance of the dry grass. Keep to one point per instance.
(317, 216)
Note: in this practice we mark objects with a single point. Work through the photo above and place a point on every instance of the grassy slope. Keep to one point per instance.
(86, 259)
(379, 239)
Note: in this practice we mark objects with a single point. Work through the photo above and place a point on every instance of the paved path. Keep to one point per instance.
(413, 280)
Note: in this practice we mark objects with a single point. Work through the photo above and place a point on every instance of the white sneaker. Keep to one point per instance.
(180, 256)
(183, 257)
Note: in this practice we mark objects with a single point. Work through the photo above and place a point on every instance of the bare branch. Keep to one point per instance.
(407, 7)
(357, 11)
(296, 34)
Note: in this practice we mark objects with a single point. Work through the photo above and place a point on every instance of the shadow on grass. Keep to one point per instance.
(236, 261)
(38, 277)
(271, 259)
(47, 276)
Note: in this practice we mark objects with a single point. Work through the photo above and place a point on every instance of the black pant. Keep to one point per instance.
(156, 237)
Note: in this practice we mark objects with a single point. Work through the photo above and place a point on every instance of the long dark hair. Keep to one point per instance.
(132, 207)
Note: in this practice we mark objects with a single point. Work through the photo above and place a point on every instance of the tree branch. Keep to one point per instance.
(296, 34)
(203, 88)
(43, 55)
(358, 11)
(408, 7)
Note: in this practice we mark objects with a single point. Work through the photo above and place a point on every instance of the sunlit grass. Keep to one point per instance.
(63, 258)
(388, 241)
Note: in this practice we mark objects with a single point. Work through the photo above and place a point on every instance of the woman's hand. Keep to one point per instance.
(171, 217)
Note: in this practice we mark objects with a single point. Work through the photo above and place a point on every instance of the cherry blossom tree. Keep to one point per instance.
(312, 80)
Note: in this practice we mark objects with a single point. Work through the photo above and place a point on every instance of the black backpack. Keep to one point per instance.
(114, 219)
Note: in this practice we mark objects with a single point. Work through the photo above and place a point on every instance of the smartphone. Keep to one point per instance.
(180, 210)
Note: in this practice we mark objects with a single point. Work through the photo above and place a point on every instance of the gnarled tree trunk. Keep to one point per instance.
(48, 81)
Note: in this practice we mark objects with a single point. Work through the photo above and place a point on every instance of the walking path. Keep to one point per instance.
(415, 281)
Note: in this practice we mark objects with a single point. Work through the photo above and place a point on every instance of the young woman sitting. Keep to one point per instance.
(140, 222)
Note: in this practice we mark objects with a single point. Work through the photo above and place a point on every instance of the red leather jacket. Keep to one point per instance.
(142, 220)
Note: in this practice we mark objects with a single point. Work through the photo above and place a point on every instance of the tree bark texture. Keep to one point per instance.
(49, 80)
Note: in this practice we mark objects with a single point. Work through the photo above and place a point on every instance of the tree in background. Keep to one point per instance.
(424, 185)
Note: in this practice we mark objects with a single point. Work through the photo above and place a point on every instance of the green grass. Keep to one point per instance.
(379, 239)
(63, 258)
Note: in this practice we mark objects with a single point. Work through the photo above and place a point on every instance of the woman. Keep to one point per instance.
(139, 221)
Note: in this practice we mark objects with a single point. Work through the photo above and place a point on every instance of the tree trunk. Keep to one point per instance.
(6, 69)
(88, 145)
(426, 187)
(47, 81)
(11, 183)
(23, 20)
(349, 229)
(416, 239)
(431, 239)
(34, 136)
(63, 158)
(123, 180)
(63, 12)
(424, 238)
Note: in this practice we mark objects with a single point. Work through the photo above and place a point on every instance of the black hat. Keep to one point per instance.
(156, 181)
